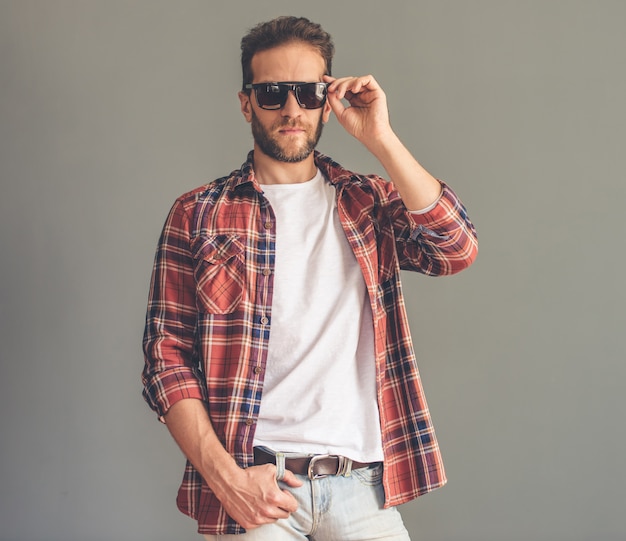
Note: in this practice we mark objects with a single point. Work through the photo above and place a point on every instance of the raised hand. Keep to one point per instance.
(367, 116)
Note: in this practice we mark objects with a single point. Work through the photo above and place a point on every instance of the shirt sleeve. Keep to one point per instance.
(439, 240)
(171, 371)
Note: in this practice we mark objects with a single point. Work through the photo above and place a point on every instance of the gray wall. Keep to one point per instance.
(110, 109)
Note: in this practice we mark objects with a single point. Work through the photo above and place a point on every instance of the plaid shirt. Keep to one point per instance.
(210, 311)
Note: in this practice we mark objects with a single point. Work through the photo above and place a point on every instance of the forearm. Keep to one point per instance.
(416, 186)
(250, 496)
(190, 426)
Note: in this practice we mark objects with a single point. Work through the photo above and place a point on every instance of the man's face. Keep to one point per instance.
(289, 134)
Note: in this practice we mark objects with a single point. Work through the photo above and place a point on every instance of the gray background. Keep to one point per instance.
(110, 109)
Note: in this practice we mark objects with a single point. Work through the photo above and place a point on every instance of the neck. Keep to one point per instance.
(270, 171)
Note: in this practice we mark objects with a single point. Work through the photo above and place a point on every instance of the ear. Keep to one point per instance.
(326, 112)
(246, 106)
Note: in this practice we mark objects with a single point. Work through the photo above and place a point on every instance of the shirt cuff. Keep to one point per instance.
(164, 390)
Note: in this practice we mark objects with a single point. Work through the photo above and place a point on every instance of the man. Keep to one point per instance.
(277, 345)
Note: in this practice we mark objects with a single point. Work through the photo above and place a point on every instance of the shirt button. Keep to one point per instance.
(264, 320)
(267, 272)
(249, 422)
(258, 369)
(268, 225)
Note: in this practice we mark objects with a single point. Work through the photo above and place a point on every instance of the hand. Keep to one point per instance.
(252, 496)
(367, 117)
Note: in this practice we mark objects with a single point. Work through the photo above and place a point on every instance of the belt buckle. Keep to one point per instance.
(312, 463)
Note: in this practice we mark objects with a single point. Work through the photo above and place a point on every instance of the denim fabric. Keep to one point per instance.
(334, 508)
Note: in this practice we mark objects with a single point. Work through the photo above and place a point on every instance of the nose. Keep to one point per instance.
(292, 107)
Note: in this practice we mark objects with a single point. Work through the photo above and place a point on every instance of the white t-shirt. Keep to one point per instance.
(319, 394)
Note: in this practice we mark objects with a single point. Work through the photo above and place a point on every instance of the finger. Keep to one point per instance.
(338, 86)
(262, 516)
(284, 499)
(286, 502)
(284, 510)
(346, 86)
(290, 479)
(336, 105)
(353, 85)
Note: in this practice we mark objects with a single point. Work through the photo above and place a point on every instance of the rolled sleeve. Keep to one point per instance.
(171, 370)
(163, 390)
(444, 238)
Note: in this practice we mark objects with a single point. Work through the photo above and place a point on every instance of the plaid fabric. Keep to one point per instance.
(210, 311)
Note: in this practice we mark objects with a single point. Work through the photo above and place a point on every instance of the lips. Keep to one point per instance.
(291, 129)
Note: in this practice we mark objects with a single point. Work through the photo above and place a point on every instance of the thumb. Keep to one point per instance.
(336, 104)
(291, 480)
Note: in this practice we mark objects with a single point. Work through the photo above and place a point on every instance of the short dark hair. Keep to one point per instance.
(283, 30)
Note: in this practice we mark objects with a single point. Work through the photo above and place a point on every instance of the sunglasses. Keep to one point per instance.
(273, 96)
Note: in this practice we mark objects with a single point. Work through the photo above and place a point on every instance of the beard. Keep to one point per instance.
(270, 145)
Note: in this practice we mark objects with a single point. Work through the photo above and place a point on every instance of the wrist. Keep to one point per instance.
(220, 472)
(384, 145)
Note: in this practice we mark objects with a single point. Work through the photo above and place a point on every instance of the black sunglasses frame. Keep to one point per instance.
(282, 93)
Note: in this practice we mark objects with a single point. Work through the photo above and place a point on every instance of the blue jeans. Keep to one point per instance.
(334, 508)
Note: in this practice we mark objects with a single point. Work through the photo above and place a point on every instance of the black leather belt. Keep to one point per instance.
(314, 466)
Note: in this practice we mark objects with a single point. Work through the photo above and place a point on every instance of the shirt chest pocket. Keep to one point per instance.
(219, 273)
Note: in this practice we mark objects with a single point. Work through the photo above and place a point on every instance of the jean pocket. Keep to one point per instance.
(370, 476)
(219, 273)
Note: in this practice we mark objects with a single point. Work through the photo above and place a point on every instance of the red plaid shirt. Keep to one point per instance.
(210, 312)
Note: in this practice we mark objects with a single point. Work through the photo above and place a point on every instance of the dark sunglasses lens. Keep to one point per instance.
(274, 96)
(271, 96)
(312, 95)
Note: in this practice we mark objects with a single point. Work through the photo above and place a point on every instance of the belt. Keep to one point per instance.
(313, 466)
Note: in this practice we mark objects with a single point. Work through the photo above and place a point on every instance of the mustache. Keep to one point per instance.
(289, 123)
